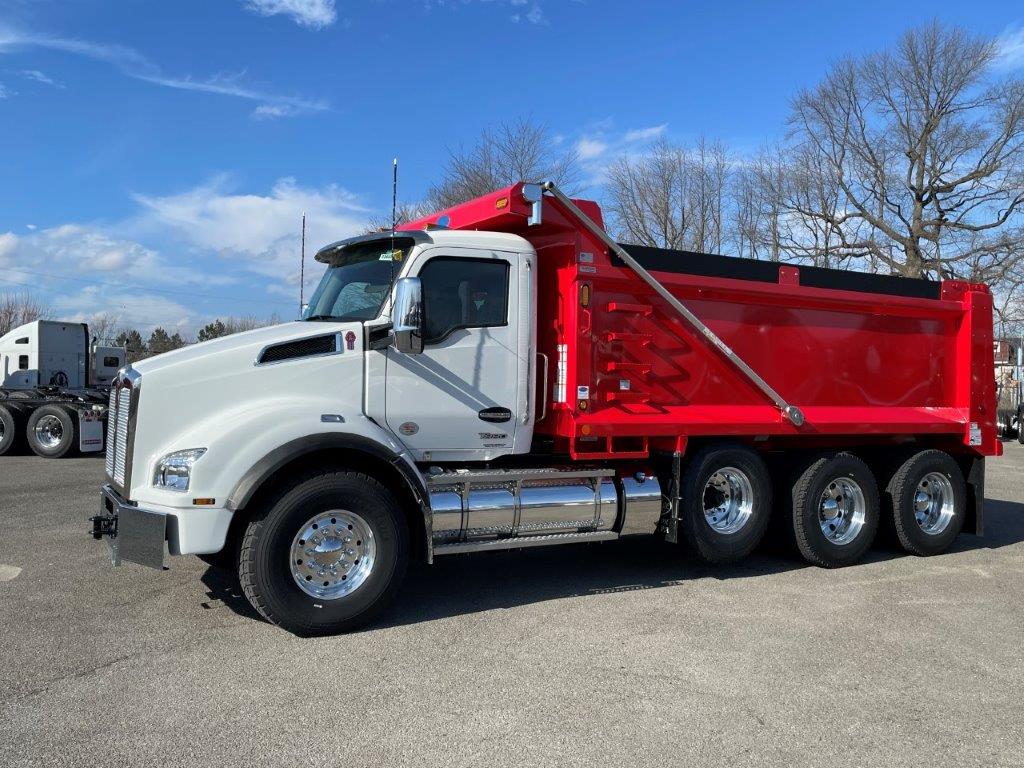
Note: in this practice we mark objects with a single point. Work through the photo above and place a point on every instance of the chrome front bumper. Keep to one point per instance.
(136, 535)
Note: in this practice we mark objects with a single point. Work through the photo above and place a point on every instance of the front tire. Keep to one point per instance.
(835, 510)
(726, 503)
(326, 555)
(928, 499)
(52, 432)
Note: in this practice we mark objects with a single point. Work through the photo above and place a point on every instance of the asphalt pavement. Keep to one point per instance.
(623, 653)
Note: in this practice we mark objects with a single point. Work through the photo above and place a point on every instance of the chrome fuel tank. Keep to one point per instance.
(473, 505)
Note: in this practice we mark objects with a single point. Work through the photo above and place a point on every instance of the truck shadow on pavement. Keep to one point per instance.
(463, 584)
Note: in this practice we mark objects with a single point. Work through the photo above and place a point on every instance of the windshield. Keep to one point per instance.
(357, 281)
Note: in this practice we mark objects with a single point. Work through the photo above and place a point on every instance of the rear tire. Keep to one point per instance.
(928, 499)
(726, 502)
(52, 432)
(835, 510)
(11, 426)
(299, 552)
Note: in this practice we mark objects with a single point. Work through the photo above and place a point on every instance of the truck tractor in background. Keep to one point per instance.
(54, 387)
(504, 374)
(1009, 358)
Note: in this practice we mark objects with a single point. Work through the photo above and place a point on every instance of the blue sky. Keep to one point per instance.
(156, 157)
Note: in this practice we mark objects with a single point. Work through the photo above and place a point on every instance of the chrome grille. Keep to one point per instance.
(121, 435)
(124, 399)
(111, 421)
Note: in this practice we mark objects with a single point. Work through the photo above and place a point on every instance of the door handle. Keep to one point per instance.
(496, 415)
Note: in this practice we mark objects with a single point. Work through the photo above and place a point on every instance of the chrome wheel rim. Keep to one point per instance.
(333, 554)
(934, 505)
(728, 500)
(842, 510)
(49, 431)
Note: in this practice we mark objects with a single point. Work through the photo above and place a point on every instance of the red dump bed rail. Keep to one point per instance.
(865, 357)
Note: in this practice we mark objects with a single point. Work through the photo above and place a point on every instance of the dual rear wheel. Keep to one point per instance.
(835, 505)
(51, 431)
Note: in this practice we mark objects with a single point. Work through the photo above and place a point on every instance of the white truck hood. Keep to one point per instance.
(214, 395)
(254, 341)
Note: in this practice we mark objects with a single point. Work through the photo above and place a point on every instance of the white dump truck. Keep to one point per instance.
(54, 385)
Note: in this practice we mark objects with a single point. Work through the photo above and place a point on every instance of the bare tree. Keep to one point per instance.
(926, 148)
(518, 151)
(104, 326)
(404, 212)
(20, 308)
(672, 196)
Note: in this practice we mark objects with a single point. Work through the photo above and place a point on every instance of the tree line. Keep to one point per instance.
(138, 346)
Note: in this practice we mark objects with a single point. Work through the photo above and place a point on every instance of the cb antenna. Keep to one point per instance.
(302, 268)
(394, 212)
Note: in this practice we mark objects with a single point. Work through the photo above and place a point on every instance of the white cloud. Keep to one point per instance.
(272, 111)
(588, 148)
(40, 77)
(4, 93)
(81, 271)
(8, 244)
(133, 64)
(213, 240)
(258, 233)
(146, 311)
(229, 86)
(1010, 48)
(645, 134)
(86, 251)
(534, 16)
(315, 14)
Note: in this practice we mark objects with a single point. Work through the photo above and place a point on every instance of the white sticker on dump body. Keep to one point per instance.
(975, 434)
(561, 373)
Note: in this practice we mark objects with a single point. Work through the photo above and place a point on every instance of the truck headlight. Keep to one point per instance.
(174, 470)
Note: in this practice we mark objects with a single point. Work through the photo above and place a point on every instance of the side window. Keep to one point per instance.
(22, 340)
(22, 362)
(463, 293)
(111, 362)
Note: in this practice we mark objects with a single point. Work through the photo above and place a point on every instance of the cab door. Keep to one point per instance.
(465, 397)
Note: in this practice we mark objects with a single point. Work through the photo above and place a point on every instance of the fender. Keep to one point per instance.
(283, 454)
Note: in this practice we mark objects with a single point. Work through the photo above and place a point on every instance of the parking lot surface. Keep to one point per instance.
(627, 653)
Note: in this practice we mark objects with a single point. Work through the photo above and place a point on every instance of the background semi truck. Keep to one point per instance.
(54, 385)
(504, 374)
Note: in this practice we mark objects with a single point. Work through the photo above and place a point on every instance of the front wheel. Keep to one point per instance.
(326, 555)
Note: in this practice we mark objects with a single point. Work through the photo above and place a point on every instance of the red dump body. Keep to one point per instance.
(865, 358)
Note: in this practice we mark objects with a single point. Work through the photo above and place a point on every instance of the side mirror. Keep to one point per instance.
(407, 316)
